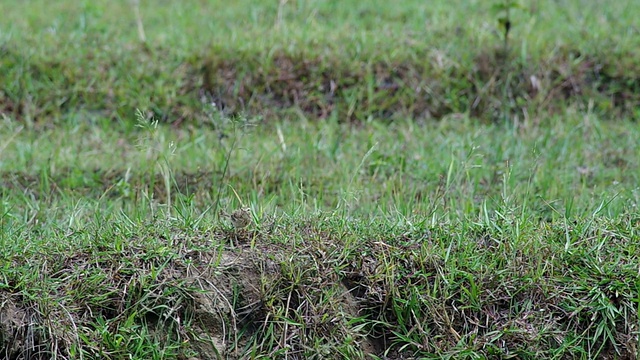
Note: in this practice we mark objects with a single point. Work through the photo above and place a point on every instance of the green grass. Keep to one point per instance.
(350, 61)
(386, 223)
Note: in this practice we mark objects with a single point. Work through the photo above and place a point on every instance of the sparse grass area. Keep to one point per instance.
(388, 222)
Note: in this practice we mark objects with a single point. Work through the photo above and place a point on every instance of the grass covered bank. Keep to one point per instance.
(414, 192)
(347, 61)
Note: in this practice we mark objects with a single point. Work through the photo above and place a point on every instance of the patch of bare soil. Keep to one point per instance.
(14, 325)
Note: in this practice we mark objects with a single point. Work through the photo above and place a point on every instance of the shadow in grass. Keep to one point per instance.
(422, 85)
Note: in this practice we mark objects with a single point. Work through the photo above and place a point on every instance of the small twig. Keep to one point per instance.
(6, 143)
(280, 13)
(136, 11)
(225, 168)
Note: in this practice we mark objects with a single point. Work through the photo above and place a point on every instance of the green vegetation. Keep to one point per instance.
(349, 61)
(419, 187)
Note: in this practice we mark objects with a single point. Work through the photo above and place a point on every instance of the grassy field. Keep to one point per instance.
(418, 188)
